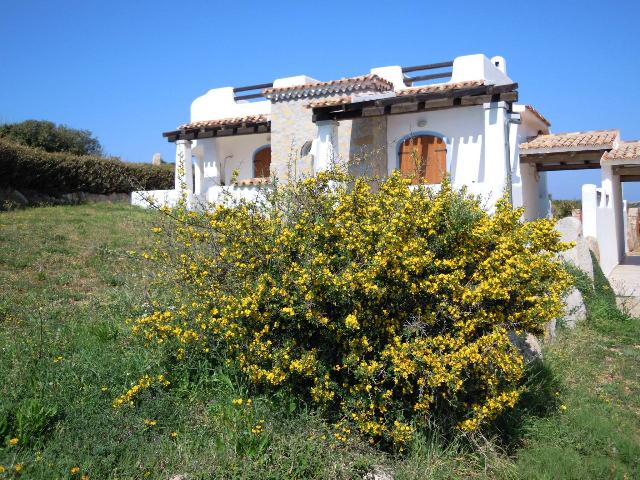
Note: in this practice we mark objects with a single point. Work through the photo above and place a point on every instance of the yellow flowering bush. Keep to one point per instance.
(388, 308)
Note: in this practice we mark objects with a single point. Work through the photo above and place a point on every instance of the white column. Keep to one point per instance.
(497, 164)
(184, 166)
(625, 226)
(589, 206)
(326, 147)
(530, 191)
(609, 222)
(198, 186)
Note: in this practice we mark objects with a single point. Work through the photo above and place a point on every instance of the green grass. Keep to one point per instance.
(67, 285)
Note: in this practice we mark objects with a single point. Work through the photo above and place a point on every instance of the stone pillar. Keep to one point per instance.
(589, 206)
(184, 166)
(497, 160)
(326, 147)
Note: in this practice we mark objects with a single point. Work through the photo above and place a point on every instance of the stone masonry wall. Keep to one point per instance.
(368, 146)
(361, 141)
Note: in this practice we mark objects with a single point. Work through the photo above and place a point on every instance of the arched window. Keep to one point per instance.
(423, 158)
(262, 162)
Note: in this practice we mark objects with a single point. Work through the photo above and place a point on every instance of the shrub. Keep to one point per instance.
(51, 137)
(58, 173)
(564, 208)
(388, 309)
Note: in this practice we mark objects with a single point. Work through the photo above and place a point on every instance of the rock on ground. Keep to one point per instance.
(528, 345)
(377, 474)
(574, 308)
(570, 229)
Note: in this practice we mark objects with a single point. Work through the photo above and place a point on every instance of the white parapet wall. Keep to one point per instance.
(224, 194)
(155, 198)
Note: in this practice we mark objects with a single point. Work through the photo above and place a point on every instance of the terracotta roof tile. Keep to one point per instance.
(343, 85)
(439, 87)
(434, 88)
(600, 139)
(225, 121)
(532, 109)
(329, 102)
(624, 151)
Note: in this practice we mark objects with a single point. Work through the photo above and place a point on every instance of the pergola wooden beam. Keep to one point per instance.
(558, 161)
(418, 102)
(630, 178)
(627, 170)
(567, 166)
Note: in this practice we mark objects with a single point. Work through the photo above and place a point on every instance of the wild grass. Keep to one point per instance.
(67, 285)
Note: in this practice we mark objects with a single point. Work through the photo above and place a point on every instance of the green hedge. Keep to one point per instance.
(57, 173)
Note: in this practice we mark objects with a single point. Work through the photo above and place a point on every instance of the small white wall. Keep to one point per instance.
(478, 66)
(155, 198)
(226, 194)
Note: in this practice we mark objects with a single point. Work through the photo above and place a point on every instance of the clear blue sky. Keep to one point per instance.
(128, 70)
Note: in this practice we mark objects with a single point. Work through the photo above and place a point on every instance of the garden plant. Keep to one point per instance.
(388, 308)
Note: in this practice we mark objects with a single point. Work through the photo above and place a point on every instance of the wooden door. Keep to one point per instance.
(262, 163)
(424, 159)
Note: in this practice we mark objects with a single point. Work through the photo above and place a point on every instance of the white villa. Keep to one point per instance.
(470, 126)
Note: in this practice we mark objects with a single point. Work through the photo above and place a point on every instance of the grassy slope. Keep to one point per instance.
(66, 286)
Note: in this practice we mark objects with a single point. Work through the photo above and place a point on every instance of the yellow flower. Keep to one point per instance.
(84, 477)
(150, 423)
(2, 469)
(563, 408)
(352, 322)
(173, 435)
(18, 467)
(74, 470)
(13, 441)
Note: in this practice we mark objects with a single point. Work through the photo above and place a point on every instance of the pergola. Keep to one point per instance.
(414, 99)
(568, 151)
(602, 208)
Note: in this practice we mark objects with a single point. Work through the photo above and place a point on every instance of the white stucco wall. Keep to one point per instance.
(231, 153)
(463, 131)
(529, 186)
(219, 103)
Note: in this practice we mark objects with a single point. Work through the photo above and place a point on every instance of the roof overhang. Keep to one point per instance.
(417, 102)
(220, 128)
(568, 151)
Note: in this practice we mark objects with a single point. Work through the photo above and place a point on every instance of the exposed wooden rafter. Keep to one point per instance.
(570, 160)
(218, 131)
(418, 102)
